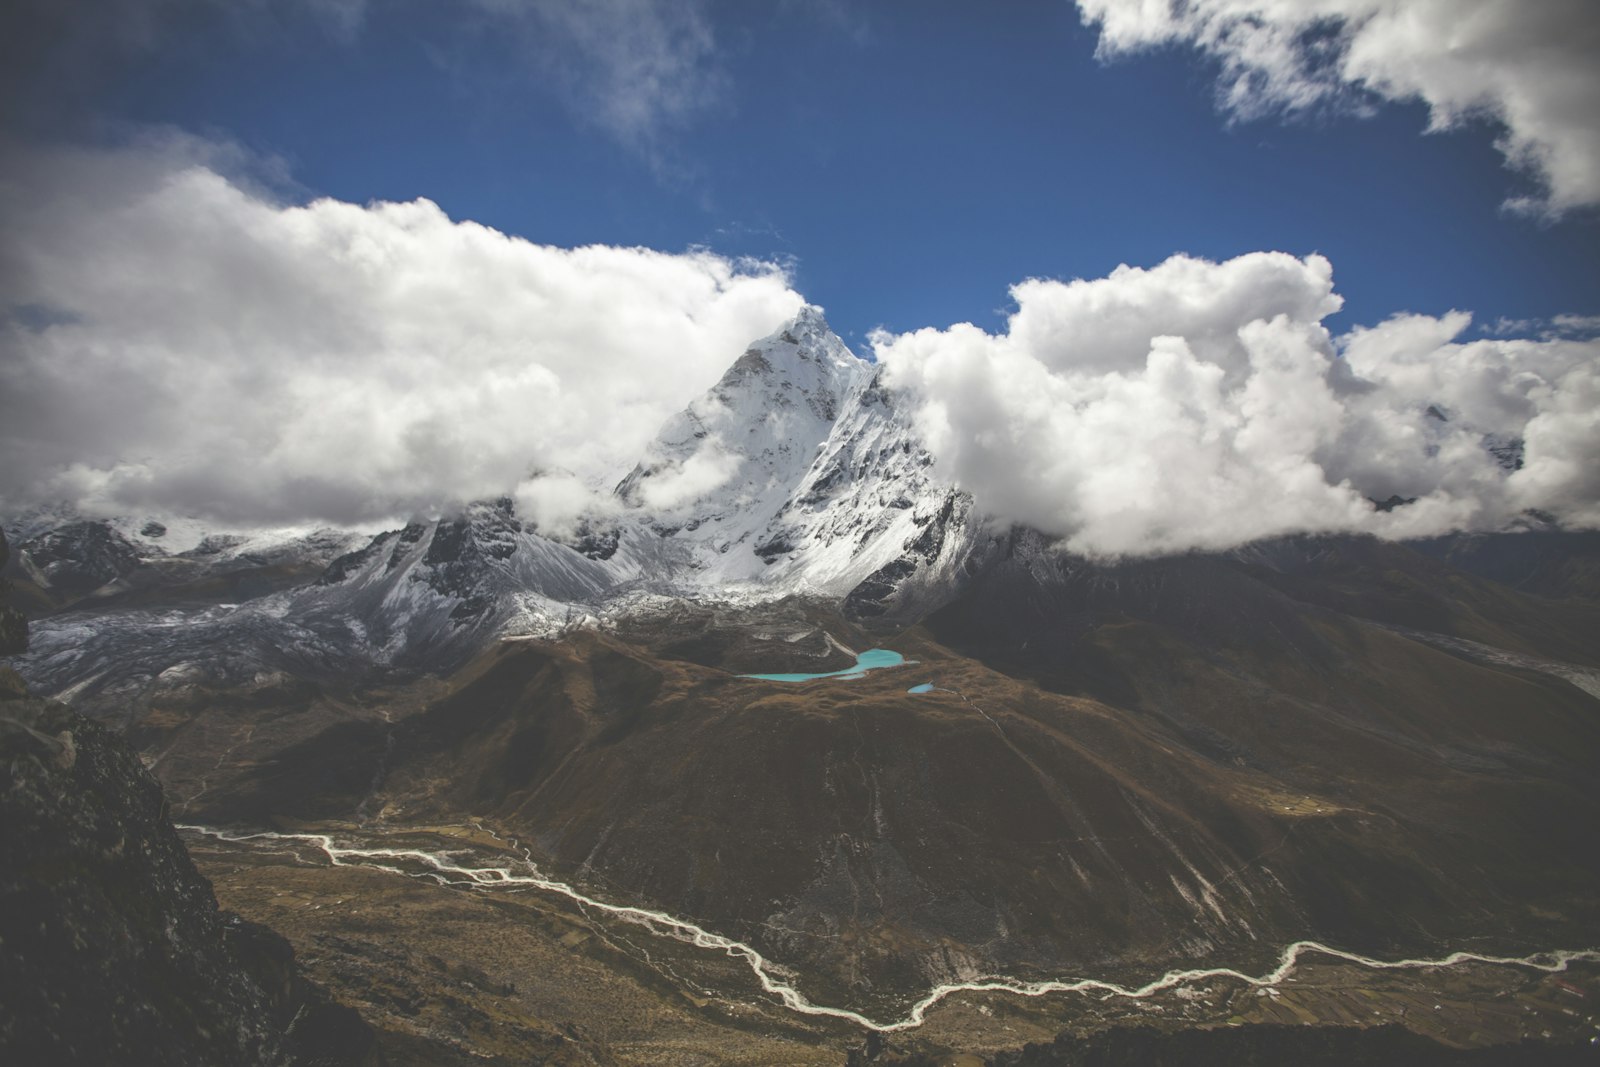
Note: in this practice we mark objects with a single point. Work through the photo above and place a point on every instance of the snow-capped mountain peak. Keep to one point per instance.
(796, 471)
(735, 454)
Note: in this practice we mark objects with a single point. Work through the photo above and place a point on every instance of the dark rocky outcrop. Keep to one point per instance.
(351, 563)
(112, 947)
(461, 547)
(13, 626)
(886, 593)
(597, 543)
(76, 559)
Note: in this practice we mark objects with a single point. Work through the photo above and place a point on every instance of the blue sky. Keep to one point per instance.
(910, 160)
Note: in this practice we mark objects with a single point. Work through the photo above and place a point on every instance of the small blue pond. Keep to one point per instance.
(870, 660)
(925, 687)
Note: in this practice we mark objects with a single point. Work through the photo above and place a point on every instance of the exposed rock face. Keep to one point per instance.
(112, 949)
(79, 557)
(13, 627)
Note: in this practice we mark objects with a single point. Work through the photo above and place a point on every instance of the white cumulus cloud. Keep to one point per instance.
(1529, 66)
(1200, 405)
(175, 340)
(707, 468)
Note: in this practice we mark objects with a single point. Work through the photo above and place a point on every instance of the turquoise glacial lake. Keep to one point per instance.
(870, 660)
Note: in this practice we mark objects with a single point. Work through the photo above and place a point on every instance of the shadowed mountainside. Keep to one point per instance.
(13, 626)
(1271, 1046)
(1134, 767)
(1120, 768)
(112, 949)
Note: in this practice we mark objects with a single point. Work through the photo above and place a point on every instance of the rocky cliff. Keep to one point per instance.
(13, 627)
(112, 948)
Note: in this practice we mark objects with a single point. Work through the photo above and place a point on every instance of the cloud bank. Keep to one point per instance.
(1200, 405)
(176, 340)
(1528, 66)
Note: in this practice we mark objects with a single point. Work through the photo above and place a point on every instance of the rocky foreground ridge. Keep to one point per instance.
(112, 948)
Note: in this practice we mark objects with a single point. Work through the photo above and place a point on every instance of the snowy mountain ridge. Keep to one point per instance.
(796, 474)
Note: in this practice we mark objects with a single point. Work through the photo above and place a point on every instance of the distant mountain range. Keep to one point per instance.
(795, 475)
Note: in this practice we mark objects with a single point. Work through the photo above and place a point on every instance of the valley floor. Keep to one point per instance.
(449, 975)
